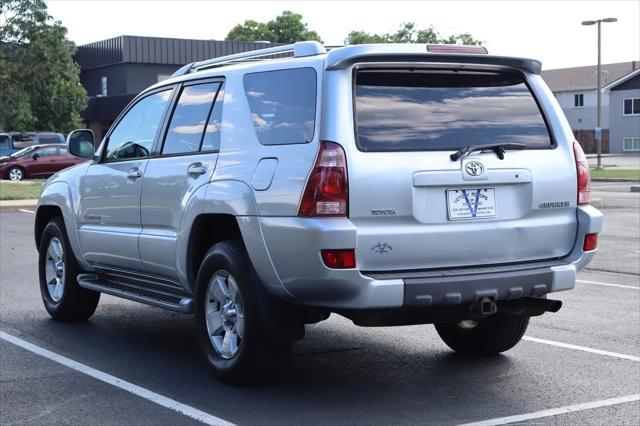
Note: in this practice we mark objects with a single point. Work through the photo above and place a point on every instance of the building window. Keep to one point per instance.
(631, 144)
(578, 100)
(103, 86)
(632, 106)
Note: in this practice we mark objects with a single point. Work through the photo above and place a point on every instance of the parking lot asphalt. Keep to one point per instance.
(578, 366)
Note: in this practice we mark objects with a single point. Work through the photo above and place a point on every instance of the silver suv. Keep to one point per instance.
(390, 184)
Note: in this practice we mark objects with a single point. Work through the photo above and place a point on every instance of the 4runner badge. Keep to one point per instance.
(382, 248)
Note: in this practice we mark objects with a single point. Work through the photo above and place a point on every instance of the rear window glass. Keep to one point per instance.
(443, 110)
(283, 105)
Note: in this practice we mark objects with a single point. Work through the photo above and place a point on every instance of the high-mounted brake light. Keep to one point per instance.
(456, 48)
(327, 191)
(584, 178)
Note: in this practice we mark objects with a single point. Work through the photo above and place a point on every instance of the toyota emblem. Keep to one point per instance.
(474, 168)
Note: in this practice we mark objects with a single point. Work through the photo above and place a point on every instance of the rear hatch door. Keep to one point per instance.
(416, 208)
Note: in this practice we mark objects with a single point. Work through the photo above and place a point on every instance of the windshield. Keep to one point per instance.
(22, 152)
(416, 110)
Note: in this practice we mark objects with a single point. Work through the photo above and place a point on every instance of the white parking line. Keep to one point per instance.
(164, 401)
(608, 284)
(26, 211)
(557, 411)
(582, 348)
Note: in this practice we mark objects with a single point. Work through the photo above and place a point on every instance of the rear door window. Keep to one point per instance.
(445, 110)
(190, 119)
(283, 105)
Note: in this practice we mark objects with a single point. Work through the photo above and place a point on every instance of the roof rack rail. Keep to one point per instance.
(299, 49)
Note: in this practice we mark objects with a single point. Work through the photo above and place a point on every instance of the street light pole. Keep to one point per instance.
(598, 130)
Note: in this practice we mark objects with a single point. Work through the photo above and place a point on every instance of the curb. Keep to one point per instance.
(13, 205)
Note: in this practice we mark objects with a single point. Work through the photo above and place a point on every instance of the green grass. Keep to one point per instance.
(615, 173)
(26, 190)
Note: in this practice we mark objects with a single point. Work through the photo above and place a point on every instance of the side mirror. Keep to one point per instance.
(80, 143)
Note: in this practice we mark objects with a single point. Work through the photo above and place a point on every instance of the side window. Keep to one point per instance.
(283, 105)
(23, 140)
(62, 151)
(211, 141)
(48, 152)
(133, 136)
(190, 118)
(45, 139)
(4, 141)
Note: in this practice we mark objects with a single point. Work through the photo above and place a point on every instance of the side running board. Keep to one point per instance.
(173, 300)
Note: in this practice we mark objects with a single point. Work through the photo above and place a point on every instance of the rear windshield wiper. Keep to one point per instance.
(498, 148)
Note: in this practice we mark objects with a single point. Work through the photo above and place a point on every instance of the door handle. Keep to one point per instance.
(196, 169)
(134, 173)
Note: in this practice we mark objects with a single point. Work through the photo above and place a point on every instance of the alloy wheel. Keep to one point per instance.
(54, 269)
(224, 314)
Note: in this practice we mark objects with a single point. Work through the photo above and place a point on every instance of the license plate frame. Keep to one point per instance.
(471, 203)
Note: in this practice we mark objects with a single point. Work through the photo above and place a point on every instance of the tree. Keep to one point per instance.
(407, 33)
(40, 81)
(286, 28)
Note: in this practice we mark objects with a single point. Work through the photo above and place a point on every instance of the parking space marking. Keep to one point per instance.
(558, 411)
(156, 398)
(608, 284)
(582, 348)
(26, 211)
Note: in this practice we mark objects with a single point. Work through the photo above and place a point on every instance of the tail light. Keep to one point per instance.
(584, 179)
(590, 242)
(327, 191)
(339, 259)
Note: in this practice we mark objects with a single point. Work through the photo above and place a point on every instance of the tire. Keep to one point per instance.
(228, 284)
(15, 174)
(485, 337)
(63, 298)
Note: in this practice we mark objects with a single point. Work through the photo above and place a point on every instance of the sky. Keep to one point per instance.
(546, 30)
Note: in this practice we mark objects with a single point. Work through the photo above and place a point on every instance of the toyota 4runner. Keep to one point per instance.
(390, 184)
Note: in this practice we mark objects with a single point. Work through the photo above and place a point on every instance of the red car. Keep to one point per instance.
(37, 161)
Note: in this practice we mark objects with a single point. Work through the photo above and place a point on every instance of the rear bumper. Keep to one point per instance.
(290, 260)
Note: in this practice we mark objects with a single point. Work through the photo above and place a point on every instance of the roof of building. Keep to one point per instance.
(580, 78)
(158, 50)
(621, 80)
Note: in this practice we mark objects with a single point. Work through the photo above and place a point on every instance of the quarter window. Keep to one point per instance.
(283, 105)
(190, 118)
(133, 136)
(578, 100)
(632, 106)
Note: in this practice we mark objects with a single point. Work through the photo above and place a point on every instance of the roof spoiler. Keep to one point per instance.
(346, 56)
